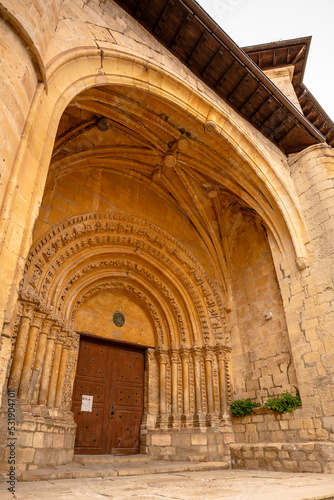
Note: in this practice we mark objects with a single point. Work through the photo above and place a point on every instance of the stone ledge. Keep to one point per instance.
(103, 469)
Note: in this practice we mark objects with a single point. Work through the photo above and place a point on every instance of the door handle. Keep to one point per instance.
(112, 410)
(112, 413)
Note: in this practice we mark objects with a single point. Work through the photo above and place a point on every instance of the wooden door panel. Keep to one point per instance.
(93, 360)
(114, 376)
(126, 436)
(93, 372)
(97, 389)
(130, 366)
(89, 436)
(129, 396)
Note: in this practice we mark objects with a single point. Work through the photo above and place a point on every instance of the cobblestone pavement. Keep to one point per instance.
(209, 485)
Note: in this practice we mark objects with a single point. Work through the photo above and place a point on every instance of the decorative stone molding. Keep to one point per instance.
(170, 161)
(210, 127)
(183, 144)
(301, 263)
(58, 247)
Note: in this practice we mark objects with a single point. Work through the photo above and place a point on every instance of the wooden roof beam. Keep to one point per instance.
(195, 52)
(226, 75)
(207, 71)
(275, 57)
(298, 56)
(178, 37)
(267, 101)
(140, 9)
(245, 79)
(164, 17)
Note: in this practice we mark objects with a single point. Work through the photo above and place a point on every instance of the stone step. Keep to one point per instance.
(106, 459)
(76, 470)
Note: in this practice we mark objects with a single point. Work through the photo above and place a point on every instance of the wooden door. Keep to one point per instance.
(113, 374)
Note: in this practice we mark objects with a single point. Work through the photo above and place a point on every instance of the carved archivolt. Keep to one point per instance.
(157, 259)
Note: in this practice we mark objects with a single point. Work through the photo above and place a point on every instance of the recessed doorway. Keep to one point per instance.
(108, 397)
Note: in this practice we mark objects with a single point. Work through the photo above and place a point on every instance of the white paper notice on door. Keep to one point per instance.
(86, 403)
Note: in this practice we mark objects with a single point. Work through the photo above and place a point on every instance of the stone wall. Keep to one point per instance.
(261, 352)
(40, 438)
(283, 442)
(287, 457)
(188, 444)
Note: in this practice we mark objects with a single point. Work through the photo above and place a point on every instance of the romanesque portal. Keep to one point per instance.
(166, 239)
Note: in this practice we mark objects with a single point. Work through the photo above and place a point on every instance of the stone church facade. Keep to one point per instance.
(167, 229)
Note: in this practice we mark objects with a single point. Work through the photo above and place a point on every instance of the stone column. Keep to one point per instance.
(73, 340)
(197, 357)
(152, 388)
(209, 381)
(175, 365)
(29, 355)
(175, 417)
(43, 392)
(62, 371)
(221, 357)
(21, 340)
(163, 360)
(51, 401)
(39, 358)
(185, 353)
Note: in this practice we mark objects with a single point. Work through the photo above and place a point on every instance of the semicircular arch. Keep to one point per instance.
(83, 249)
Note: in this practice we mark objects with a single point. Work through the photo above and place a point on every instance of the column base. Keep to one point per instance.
(199, 420)
(174, 421)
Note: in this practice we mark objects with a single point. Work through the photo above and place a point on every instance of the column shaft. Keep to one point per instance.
(28, 358)
(54, 375)
(162, 384)
(16, 369)
(209, 388)
(46, 371)
(222, 385)
(185, 385)
(40, 353)
(174, 387)
(61, 376)
(198, 380)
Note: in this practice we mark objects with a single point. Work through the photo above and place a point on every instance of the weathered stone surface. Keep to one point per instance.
(127, 185)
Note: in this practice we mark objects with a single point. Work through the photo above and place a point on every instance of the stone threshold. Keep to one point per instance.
(103, 466)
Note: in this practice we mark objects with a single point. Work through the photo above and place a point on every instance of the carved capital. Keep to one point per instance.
(208, 352)
(162, 356)
(53, 332)
(46, 325)
(185, 354)
(220, 352)
(213, 193)
(37, 320)
(28, 310)
(73, 339)
(174, 355)
(197, 354)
